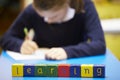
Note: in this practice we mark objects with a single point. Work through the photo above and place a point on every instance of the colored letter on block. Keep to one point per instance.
(29, 70)
(40, 70)
(52, 70)
(75, 71)
(99, 71)
(58, 70)
(63, 70)
(86, 70)
(17, 70)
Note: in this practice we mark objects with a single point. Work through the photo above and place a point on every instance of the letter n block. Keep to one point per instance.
(40, 70)
(86, 70)
(99, 71)
(75, 71)
(17, 70)
(52, 70)
(63, 70)
(29, 70)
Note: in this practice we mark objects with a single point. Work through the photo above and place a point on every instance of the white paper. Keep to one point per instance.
(38, 55)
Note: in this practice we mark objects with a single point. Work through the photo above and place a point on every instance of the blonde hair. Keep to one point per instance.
(78, 5)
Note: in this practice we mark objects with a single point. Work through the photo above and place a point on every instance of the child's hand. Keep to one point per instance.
(28, 47)
(56, 54)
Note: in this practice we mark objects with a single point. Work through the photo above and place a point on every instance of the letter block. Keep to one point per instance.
(99, 71)
(58, 70)
(40, 70)
(63, 70)
(86, 70)
(75, 71)
(17, 70)
(52, 70)
(29, 70)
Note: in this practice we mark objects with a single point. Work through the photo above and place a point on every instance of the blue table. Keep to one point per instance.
(112, 66)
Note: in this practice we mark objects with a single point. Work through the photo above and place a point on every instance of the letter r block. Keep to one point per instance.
(17, 70)
(63, 70)
(99, 71)
(52, 70)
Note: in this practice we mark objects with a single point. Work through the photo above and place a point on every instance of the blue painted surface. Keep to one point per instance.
(112, 66)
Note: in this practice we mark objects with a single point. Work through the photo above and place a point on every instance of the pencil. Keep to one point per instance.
(26, 31)
(29, 35)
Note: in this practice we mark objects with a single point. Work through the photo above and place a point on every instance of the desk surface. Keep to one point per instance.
(112, 66)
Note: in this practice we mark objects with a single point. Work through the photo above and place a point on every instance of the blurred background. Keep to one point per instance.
(108, 10)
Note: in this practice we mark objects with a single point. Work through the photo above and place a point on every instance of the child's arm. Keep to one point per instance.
(94, 32)
(14, 37)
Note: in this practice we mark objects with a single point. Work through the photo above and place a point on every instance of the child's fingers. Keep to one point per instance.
(27, 50)
(33, 45)
(30, 50)
(52, 56)
(51, 53)
(28, 47)
(60, 57)
(56, 54)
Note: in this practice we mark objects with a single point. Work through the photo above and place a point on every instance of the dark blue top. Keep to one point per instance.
(71, 35)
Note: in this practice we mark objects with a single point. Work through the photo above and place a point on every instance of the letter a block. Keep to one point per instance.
(99, 71)
(86, 70)
(75, 71)
(17, 70)
(52, 70)
(40, 70)
(29, 70)
(63, 70)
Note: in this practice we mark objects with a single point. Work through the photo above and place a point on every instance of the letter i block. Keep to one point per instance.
(86, 70)
(17, 70)
(29, 70)
(63, 70)
(75, 71)
(40, 70)
(99, 71)
(52, 70)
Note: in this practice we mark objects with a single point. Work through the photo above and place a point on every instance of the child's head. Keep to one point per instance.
(55, 10)
(49, 4)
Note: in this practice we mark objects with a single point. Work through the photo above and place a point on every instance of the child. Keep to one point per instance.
(70, 28)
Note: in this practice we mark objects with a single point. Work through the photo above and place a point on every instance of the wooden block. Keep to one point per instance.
(86, 70)
(17, 70)
(40, 70)
(99, 71)
(29, 70)
(63, 70)
(52, 70)
(75, 71)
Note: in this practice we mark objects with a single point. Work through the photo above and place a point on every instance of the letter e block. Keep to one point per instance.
(29, 70)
